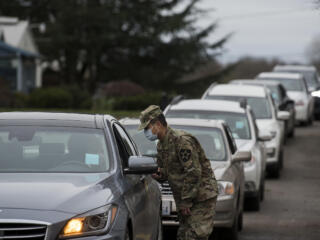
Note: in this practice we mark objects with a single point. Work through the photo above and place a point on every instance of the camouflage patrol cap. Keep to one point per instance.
(149, 114)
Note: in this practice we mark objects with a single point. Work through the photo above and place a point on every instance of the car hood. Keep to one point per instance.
(63, 192)
(244, 145)
(295, 95)
(219, 169)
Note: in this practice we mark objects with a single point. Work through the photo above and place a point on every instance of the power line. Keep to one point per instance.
(266, 14)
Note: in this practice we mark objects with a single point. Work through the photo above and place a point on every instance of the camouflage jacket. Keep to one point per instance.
(183, 163)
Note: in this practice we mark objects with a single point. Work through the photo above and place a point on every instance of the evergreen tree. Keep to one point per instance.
(146, 41)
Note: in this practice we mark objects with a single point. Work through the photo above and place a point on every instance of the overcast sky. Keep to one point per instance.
(264, 28)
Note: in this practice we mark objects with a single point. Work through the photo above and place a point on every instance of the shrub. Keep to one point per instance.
(138, 102)
(60, 97)
(50, 98)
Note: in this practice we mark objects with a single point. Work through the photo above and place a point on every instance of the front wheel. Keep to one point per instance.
(159, 233)
(127, 236)
(231, 233)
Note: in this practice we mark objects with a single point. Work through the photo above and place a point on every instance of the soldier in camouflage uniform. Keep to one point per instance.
(183, 163)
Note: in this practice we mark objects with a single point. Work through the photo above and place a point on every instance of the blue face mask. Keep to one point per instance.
(149, 135)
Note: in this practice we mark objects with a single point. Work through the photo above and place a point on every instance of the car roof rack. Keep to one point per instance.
(177, 99)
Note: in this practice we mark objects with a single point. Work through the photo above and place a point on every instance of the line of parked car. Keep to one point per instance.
(243, 127)
(78, 176)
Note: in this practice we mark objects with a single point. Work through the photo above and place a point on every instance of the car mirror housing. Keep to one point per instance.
(241, 156)
(141, 165)
(264, 136)
(283, 115)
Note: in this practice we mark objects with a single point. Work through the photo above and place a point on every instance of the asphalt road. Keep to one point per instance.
(291, 209)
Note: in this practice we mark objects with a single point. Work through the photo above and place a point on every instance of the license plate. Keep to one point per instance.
(166, 208)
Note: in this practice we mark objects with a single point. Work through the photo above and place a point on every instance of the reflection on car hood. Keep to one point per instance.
(64, 192)
(219, 169)
(244, 145)
(296, 96)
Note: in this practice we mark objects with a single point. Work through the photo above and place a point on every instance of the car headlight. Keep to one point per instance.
(225, 189)
(316, 94)
(95, 222)
(251, 162)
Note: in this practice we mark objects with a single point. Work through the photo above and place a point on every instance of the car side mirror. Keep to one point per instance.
(141, 165)
(264, 136)
(283, 115)
(241, 156)
(290, 101)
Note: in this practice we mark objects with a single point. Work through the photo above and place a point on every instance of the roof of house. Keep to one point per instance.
(7, 50)
(16, 33)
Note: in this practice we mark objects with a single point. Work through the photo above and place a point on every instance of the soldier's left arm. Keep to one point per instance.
(189, 158)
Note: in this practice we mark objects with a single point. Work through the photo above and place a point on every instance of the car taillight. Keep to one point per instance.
(299, 103)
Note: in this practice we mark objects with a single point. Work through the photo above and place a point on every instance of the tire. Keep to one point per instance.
(240, 221)
(261, 191)
(127, 235)
(231, 233)
(274, 172)
(291, 134)
(310, 121)
(255, 202)
(159, 233)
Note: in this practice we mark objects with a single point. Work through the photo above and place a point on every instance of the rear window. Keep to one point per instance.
(53, 149)
(289, 84)
(260, 106)
(237, 122)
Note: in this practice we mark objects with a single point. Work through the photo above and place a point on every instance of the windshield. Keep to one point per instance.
(237, 122)
(211, 140)
(311, 79)
(52, 149)
(260, 106)
(289, 84)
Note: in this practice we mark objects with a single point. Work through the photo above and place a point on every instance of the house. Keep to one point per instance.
(20, 66)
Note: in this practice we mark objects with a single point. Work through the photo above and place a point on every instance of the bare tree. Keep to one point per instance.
(313, 52)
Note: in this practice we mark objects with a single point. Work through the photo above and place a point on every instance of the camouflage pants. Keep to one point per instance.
(198, 225)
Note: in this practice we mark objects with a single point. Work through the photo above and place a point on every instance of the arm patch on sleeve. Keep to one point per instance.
(185, 154)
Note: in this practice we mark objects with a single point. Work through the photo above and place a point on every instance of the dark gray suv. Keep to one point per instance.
(74, 176)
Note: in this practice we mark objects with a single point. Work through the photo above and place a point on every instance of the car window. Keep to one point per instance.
(289, 84)
(311, 79)
(145, 146)
(238, 122)
(232, 143)
(53, 149)
(125, 140)
(210, 139)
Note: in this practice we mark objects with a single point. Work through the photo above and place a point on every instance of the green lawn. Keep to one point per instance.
(116, 114)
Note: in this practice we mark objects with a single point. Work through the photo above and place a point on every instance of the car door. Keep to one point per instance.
(309, 97)
(259, 144)
(237, 168)
(140, 192)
